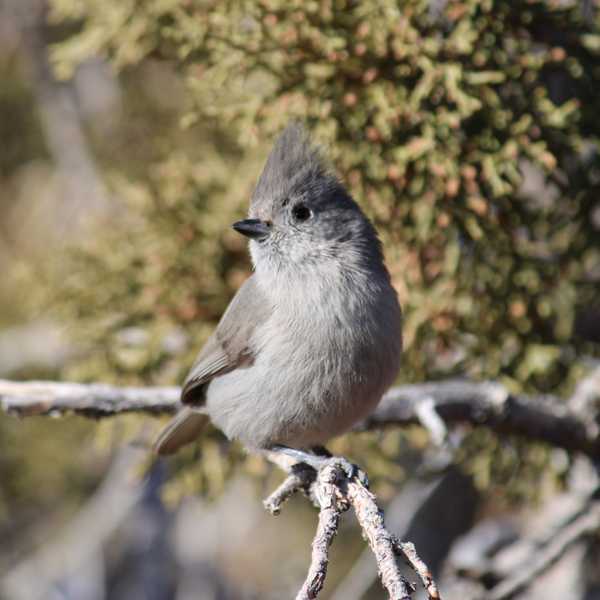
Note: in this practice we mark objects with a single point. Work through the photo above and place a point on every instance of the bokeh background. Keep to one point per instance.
(131, 135)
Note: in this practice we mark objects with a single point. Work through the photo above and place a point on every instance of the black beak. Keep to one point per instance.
(253, 228)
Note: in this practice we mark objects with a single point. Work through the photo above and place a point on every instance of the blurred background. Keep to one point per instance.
(131, 135)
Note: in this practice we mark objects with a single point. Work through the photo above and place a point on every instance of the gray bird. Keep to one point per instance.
(312, 339)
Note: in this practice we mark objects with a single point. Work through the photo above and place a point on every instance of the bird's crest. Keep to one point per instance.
(293, 156)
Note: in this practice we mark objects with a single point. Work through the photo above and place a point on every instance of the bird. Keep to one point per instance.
(313, 338)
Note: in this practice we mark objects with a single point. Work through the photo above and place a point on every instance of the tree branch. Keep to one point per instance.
(380, 540)
(95, 400)
(545, 418)
(331, 505)
(299, 479)
(415, 500)
(333, 491)
(408, 550)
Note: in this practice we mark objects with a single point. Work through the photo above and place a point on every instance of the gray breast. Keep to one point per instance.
(317, 370)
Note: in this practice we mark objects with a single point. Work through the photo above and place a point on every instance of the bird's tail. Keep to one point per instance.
(182, 429)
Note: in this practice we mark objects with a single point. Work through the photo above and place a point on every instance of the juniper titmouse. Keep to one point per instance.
(312, 339)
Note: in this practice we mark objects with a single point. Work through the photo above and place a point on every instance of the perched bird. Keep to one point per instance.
(312, 339)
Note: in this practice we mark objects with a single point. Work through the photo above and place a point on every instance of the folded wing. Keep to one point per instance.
(229, 348)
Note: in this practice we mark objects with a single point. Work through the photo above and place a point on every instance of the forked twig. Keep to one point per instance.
(334, 492)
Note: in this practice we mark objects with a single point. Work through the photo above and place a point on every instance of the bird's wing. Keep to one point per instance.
(229, 347)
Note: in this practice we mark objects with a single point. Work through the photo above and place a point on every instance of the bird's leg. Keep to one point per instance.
(318, 457)
(349, 468)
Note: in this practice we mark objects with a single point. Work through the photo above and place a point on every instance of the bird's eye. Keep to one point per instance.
(301, 212)
(285, 201)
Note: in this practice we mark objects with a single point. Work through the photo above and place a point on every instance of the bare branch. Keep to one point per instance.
(334, 492)
(407, 549)
(488, 404)
(298, 479)
(380, 539)
(545, 418)
(431, 421)
(400, 513)
(25, 399)
(332, 503)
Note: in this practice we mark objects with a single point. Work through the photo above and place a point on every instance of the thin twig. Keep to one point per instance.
(431, 421)
(332, 503)
(370, 518)
(298, 479)
(334, 492)
(400, 513)
(407, 549)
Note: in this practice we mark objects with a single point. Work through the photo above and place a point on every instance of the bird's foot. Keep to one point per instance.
(319, 457)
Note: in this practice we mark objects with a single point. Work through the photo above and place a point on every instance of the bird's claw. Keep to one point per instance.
(323, 459)
(351, 470)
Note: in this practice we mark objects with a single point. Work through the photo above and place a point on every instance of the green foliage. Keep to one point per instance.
(439, 124)
(431, 121)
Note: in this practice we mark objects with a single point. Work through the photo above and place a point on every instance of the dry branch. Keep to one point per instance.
(560, 423)
(381, 541)
(334, 492)
(400, 513)
(545, 418)
(29, 398)
(331, 504)
(408, 550)
(297, 480)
